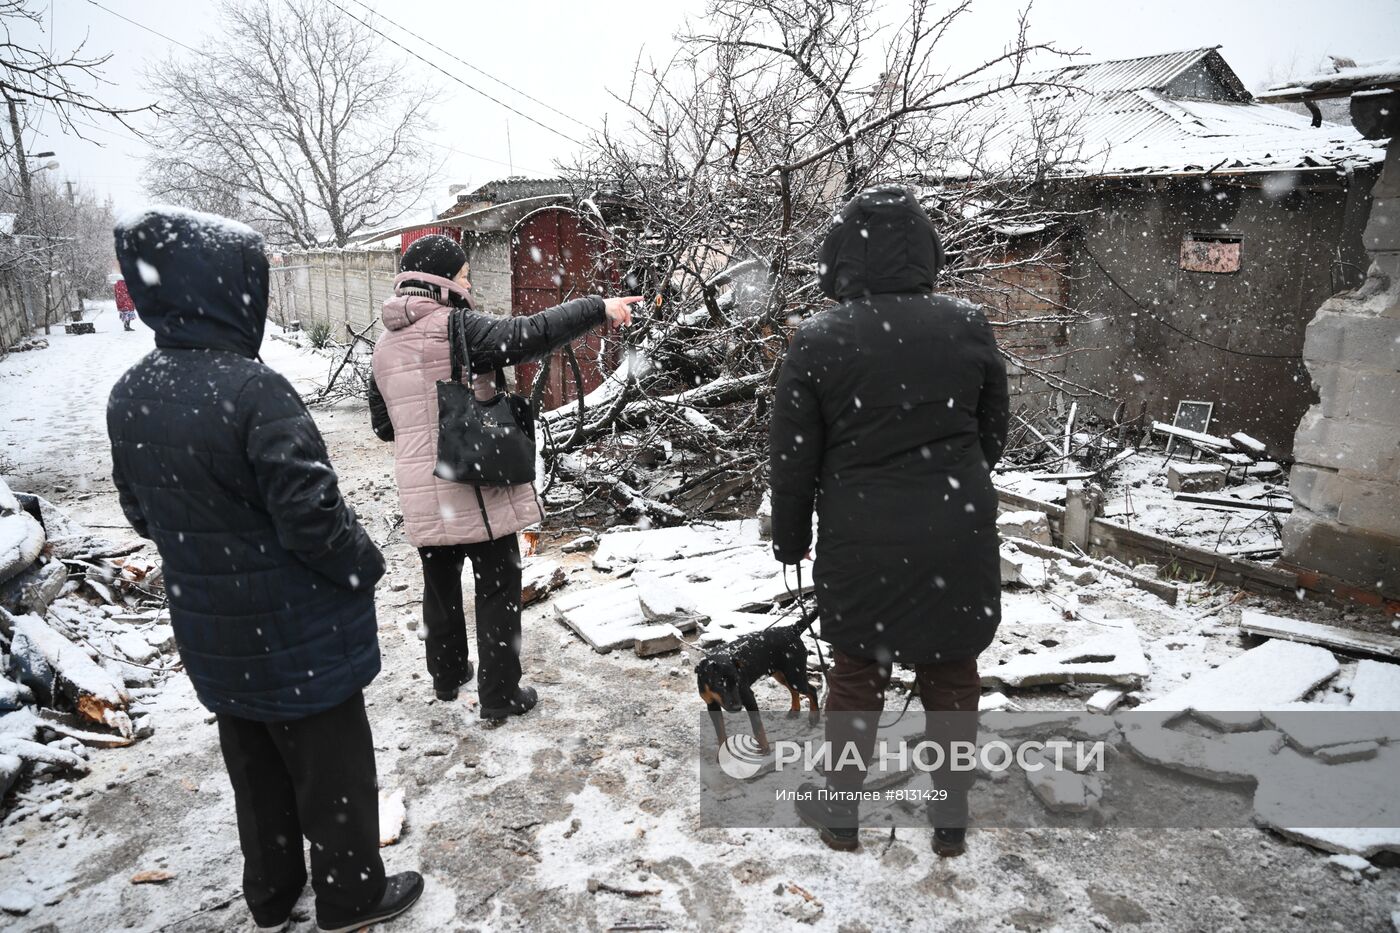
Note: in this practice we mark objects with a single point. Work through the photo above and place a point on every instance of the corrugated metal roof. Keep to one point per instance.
(1114, 120)
(1146, 72)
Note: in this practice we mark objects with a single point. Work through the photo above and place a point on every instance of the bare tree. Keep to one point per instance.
(292, 120)
(772, 113)
(60, 80)
(65, 252)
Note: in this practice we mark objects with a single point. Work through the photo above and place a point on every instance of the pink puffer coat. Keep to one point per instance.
(409, 359)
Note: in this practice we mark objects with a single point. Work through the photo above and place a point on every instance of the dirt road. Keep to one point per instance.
(510, 824)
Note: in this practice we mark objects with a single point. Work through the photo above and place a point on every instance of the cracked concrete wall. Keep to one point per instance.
(1346, 482)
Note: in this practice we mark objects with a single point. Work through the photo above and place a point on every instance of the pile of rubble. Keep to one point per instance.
(1095, 674)
(84, 636)
(719, 580)
(1222, 494)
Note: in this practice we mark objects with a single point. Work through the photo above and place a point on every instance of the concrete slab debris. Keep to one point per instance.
(1195, 477)
(1232, 758)
(1341, 754)
(626, 545)
(1330, 795)
(610, 616)
(1375, 686)
(1030, 525)
(1061, 791)
(1112, 657)
(606, 617)
(727, 626)
(1105, 700)
(1354, 641)
(659, 639)
(1020, 568)
(1261, 678)
(1311, 727)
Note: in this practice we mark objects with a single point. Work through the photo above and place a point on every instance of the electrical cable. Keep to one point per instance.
(458, 79)
(1172, 327)
(463, 61)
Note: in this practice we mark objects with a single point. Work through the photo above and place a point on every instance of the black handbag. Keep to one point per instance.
(482, 443)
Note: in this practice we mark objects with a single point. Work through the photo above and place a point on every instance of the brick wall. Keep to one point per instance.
(1029, 287)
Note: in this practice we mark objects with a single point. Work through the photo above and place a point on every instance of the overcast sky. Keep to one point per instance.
(570, 54)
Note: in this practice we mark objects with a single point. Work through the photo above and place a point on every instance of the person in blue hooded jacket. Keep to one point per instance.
(269, 574)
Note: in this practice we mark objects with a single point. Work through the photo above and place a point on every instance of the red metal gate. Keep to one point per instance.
(555, 256)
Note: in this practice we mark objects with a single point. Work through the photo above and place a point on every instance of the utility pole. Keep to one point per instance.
(21, 162)
(26, 206)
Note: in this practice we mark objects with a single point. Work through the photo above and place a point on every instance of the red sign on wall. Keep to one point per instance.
(1210, 254)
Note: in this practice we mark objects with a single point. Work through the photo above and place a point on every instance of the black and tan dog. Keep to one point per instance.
(726, 674)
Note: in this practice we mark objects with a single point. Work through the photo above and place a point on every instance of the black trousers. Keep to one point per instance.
(496, 574)
(950, 692)
(311, 778)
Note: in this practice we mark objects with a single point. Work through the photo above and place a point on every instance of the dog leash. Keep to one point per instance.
(802, 611)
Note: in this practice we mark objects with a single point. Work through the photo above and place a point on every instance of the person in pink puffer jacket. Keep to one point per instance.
(450, 522)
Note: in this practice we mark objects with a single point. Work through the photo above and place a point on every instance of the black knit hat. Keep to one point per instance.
(435, 254)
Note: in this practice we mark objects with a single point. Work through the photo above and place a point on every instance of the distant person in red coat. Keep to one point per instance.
(126, 308)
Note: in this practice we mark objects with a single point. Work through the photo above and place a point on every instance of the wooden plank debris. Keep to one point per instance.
(1128, 544)
(1209, 440)
(52, 666)
(1167, 591)
(1264, 625)
(1249, 445)
(1205, 500)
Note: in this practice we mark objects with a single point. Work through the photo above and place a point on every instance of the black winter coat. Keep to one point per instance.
(890, 409)
(494, 342)
(215, 458)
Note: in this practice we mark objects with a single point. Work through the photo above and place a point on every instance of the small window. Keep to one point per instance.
(1211, 252)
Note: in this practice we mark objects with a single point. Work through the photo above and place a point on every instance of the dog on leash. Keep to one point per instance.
(726, 675)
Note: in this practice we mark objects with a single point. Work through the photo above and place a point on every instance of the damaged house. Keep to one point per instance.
(1201, 231)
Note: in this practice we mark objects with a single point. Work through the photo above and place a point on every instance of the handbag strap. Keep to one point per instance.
(456, 344)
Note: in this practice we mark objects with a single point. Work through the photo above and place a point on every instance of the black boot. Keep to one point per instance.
(524, 701)
(837, 821)
(400, 893)
(448, 694)
(949, 819)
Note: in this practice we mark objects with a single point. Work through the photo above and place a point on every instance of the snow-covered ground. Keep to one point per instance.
(511, 824)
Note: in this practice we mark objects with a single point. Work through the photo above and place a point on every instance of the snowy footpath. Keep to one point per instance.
(585, 815)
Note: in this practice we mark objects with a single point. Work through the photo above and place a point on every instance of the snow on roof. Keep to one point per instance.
(1349, 79)
(1142, 117)
(1145, 72)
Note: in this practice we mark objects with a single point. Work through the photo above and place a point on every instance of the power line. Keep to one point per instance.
(458, 79)
(144, 26)
(457, 58)
(173, 41)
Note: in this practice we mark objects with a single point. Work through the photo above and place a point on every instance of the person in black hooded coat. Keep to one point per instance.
(270, 576)
(890, 409)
